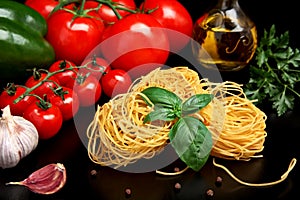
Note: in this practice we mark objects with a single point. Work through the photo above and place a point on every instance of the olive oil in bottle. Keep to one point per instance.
(226, 39)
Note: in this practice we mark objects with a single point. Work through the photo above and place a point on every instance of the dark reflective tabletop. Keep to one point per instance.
(281, 146)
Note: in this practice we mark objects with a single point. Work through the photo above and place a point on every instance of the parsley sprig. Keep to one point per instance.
(276, 73)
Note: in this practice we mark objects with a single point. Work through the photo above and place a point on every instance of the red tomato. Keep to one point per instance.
(116, 81)
(10, 94)
(88, 89)
(44, 7)
(66, 100)
(96, 66)
(174, 16)
(48, 121)
(107, 14)
(134, 41)
(66, 75)
(45, 87)
(73, 36)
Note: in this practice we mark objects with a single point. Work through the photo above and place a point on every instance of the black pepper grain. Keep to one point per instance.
(127, 192)
(219, 181)
(93, 172)
(176, 169)
(209, 193)
(177, 186)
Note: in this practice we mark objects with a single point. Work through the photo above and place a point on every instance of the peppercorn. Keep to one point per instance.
(93, 172)
(209, 193)
(127, 192)
(176, 169)
(177, 186)
(218, 181)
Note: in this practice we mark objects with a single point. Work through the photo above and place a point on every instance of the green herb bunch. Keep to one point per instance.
(189, 137)
(276, 73)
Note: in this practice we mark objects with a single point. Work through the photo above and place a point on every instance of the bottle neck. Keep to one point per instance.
(227, 4)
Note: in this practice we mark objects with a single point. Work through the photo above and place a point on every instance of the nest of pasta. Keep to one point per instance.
(118, 135)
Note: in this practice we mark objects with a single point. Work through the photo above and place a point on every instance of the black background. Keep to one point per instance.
(280, 147)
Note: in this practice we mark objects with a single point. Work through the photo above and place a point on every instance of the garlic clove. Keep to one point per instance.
(47, 180)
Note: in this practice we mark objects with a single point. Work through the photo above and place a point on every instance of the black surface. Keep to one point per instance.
(280, 147)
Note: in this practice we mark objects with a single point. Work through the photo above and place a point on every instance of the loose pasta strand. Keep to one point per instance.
(172, 173)
(282, 178)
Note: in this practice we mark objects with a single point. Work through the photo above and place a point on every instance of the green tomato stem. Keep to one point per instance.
(81, 9)
(115, 7)
(29, 90)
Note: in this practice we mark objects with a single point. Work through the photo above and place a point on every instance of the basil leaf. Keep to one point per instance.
(195, 103)
(192, 141)
(162, 96)
(165, 114)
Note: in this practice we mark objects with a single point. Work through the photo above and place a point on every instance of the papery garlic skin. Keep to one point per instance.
(18, 138)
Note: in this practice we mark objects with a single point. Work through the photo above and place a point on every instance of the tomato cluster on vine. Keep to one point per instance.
(50, 97)
(126, 33)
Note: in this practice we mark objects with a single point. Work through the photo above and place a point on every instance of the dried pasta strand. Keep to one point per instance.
(282, 178)
(172, 173)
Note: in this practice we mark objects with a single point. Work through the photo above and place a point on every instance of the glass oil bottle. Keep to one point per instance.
(226, 38)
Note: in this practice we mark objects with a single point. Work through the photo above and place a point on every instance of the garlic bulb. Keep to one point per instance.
(18, 138)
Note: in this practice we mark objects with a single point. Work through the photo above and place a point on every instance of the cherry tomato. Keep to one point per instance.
(174, 16)
(46, 118)
(96, 66)
(88, 89)
(107, 14)
(73, 36)
(66, 100)
(44, 7)
(46, 85)
(10, 94)
(134, 41)
(116, 81)
(66, 75)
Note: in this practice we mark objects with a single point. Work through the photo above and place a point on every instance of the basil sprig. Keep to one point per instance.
(189, 137)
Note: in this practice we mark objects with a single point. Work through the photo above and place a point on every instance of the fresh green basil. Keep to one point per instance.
(189, 137)
(195, 103)
(192, 141)
(165, 114)
(162, 96)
